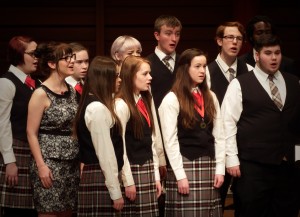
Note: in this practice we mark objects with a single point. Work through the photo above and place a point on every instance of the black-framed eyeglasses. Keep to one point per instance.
(232, 37)
(68, 58)
(31, 53)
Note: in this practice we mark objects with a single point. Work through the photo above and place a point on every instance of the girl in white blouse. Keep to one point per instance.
(135, 109)
(193, 138)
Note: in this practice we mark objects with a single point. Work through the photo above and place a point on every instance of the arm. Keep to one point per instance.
(218, 134)
(156, 163)
(37, 104)
(123, 114)
(7, 90)
(231, 110)
(168, 114)
(99, 121)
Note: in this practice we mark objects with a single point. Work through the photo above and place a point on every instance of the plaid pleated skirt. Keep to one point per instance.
(21, 195)
(146, 203)
(203, 199)
(93, 196)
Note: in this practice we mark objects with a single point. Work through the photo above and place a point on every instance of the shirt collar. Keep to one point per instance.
(162, 55)
(137, 97)
(17, 72)
(224, 66)
(264, 75)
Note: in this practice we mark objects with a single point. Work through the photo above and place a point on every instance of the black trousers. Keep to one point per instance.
(266, 190)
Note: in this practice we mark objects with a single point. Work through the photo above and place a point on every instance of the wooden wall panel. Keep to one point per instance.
(96, 23)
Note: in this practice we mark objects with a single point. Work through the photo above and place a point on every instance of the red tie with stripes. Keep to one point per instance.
(199, 106)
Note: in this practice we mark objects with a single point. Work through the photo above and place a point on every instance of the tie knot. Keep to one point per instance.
(271, 77)
(231, 70)
(167, 57)
(30, 82)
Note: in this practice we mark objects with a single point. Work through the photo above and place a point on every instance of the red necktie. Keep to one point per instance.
(30, 82)
(142, 108)
(78, 88)
(199, 105)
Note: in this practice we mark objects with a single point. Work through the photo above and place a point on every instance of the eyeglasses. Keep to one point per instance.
(68, 58)
(232, 37)
(31, 53)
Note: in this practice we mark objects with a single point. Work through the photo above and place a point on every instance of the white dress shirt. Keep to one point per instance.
(99, 121)
(7, 94)
(232, 108)
(168, 113)
(162, 55)
(123, 113)
(224, 68)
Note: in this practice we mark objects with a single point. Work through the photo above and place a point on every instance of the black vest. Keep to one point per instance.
(138, 151)
(19, 110)
(162, 78)
(86, 147)
(263, 133)
(219, 83)
(196, 142)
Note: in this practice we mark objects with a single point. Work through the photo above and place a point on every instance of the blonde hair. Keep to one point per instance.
(122, 44)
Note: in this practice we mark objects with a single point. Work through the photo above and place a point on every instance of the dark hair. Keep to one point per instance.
(51, 52)
(76, 47)
(167, 20)
(130, 66)
(101, 82)
(16, 48)
(265, 41)
(182, 89)
(253, 21)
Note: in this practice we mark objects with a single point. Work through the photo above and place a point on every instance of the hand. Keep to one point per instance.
(130, 192)
(163, 172)
(118, 204)
(234, 171)
(219, 179)
(183, 186)
(158, 189)
(45, 175)
(11, 174)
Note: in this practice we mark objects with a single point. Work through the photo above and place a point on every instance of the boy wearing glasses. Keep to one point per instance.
(229, 37)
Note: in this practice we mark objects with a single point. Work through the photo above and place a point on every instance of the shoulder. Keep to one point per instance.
(97, 108)
(170, 99)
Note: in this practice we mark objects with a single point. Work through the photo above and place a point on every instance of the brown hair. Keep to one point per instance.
(182, 89)
(130, 67)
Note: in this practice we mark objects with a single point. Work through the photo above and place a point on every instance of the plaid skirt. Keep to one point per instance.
(146, 203)
(20, 196)
(93, 196)
(203, 199)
